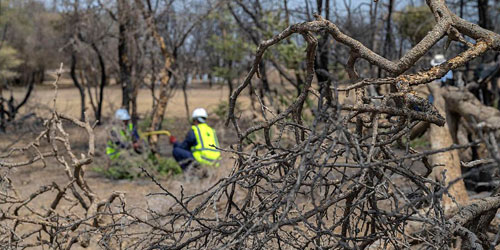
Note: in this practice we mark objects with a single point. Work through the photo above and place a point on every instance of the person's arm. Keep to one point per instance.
(188, 142)
(135, 135)
(115, 138)
(136, 141)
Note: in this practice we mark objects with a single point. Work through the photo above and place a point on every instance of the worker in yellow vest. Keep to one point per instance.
(122, 135)
(200, 144)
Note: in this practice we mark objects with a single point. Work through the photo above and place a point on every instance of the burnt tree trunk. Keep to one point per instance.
(133, 102)
(210, 80)
(13, 109)
(388, 42)
(483, 15)
(388, 35)
(79, 86)
(123, 57)
(229, 81)
(264, 87)
(323, 51)
(102, 84)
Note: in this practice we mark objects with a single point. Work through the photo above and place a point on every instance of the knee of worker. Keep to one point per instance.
(176, 152)
(181, 154)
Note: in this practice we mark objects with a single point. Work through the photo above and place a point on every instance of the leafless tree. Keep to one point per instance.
(170, 43)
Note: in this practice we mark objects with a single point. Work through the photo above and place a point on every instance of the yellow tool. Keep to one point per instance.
(159, 132)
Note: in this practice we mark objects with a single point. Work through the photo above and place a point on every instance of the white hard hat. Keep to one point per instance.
(200, 114)
(437, 60)
(122, 114)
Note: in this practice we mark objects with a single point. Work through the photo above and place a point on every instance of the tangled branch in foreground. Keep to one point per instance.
(334, 181)
(57, 216)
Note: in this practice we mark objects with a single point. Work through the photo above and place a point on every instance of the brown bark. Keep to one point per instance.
(473, 111)
(447, 163)
(419, 130)
(159, 111)
(468, 106)
(466, 154)
(476, 208)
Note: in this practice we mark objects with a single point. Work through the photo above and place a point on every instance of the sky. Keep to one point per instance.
(339, 3)
(354, 3)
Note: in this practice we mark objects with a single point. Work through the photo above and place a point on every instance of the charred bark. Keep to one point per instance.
(102, 84)
(79, 86)
(483, 14)
(123, 50)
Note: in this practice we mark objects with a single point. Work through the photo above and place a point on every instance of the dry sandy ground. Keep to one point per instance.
(68, 100)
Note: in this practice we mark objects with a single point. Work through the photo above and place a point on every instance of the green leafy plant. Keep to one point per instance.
(414, 23)
(129, 167)
(120, 169)
(165, 165)
(8, 62)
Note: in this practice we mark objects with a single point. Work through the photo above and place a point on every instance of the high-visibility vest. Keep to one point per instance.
(112, 150)
(205, 151)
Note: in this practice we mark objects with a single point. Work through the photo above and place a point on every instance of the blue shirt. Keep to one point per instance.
(189, 141)
(449, 75)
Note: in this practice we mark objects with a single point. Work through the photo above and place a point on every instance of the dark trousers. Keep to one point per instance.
(182, 156)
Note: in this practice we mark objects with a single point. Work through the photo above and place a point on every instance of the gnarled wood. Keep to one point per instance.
(447, 162)
(467, 105)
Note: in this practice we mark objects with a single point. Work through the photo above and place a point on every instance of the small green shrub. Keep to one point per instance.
(165, 165)
(129, 167)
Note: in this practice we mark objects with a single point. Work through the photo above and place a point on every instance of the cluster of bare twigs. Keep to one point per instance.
(324, 177)
(54, 215)
(336, 180)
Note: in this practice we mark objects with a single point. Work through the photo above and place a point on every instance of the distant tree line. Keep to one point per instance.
(163, 45)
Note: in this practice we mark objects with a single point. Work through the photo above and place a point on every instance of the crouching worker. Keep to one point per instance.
(122, 135)
(200, 145)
